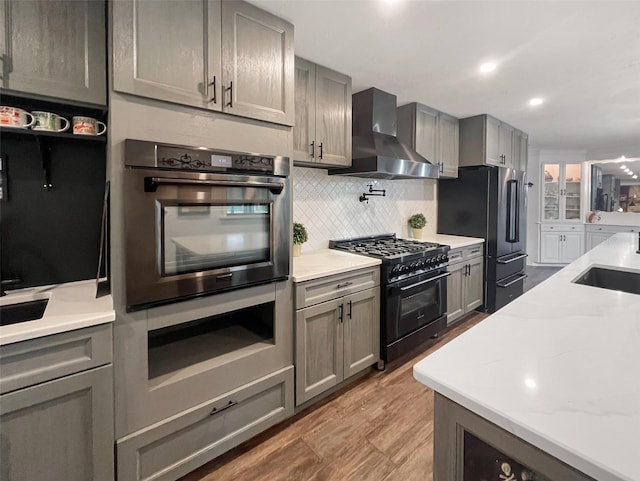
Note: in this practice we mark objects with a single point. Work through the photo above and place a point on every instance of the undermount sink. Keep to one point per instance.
(611, 279)
(23, 311)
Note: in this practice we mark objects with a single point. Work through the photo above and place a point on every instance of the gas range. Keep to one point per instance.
(401, 258)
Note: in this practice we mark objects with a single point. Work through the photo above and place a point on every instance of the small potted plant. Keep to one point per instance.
(417, 223)
(300, 236)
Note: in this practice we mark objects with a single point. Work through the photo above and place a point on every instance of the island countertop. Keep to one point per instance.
(558, 367)
(71, 306)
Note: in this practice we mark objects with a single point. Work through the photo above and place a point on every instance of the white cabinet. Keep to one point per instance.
(596, 234)
(433, 134)
(465, 284)
(520, 150)
(337, 330)
(561, 244)
(322, 131)
(561, 193)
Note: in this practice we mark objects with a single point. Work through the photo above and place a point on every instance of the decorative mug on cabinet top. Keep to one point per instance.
(15, 117)
(87, 126)
(49, 122)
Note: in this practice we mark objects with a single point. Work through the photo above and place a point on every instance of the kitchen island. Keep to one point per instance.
(551, 381)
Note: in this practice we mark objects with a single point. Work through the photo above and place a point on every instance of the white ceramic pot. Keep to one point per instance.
(297, 250)
(416, 233)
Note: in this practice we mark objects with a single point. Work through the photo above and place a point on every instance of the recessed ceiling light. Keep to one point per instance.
(488, 67)
(634, 177)
(627, 170)
(630, 173)
(623, 167)
(536, 101)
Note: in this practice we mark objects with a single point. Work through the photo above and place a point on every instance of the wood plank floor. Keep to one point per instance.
(377, 429)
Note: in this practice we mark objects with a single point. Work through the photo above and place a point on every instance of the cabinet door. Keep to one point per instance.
(55, 48)
(524, 151)
(319, 349)
(595, 238)
(333, 117)
(304, 129)
(59, 430)
(572, 246)
(551, 192)
(506, 145)
(361, 331)
(572, 200)
(160, 50)
(258, 64)
(550, 247)
(492, 146)
(473, 288)
(448, 145)
(455, 301)
(427, 132)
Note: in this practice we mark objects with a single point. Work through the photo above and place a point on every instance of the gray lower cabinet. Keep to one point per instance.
(465, 284)
(227, 56)
(322, 130)
(174, 447)
(433, 134)
(485, 140)
(56, 407)
(54, 48)
(337, 338)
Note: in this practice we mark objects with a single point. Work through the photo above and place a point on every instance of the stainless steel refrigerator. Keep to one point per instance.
(491, 203)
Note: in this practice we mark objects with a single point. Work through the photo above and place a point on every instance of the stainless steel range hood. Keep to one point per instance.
(377, 153)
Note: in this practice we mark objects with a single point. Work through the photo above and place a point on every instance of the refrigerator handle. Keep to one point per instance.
(513, 216)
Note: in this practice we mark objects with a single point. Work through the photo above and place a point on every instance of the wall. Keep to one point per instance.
(329, 208)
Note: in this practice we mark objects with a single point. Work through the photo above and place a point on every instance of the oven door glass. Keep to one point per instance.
(415, 302)
(202, 237)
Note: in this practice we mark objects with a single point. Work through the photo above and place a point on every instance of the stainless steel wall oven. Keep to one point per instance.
(199, 221)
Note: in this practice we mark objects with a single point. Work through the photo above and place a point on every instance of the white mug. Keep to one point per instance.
(49, 121)
(87, 126)
(15, 117)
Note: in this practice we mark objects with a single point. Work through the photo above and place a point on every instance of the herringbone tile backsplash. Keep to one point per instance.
(329, 208)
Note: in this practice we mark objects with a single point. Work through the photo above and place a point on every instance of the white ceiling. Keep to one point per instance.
(582, 57)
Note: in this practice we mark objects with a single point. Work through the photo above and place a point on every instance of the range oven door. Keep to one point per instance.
(193, 233)
(414, 303)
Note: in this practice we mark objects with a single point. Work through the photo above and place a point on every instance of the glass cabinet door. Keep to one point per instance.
(572, 178)
(551, 192)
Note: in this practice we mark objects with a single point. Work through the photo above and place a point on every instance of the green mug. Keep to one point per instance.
(48, 121)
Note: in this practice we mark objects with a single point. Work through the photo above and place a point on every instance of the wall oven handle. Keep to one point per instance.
(446, 274)
(151, 183)
(520, 277)
(509, 261)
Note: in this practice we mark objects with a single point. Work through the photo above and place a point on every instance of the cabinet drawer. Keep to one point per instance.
(172, 448)
(316, 291)
(473, 251)
(456, 255)
(611, 229)
(38, 360)
(561, 228)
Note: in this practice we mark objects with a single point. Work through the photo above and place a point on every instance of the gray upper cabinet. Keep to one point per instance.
(433, 134)
(322, 130)
(54, 48)
(225, 56)
(485, 140)
(163, 49)
(520, 149)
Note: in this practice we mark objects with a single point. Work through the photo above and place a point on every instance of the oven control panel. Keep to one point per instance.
(415, 266)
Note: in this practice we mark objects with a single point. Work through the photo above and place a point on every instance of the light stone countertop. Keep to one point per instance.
(326, 262)
(453, 241)
(71, 306)
(558, 367)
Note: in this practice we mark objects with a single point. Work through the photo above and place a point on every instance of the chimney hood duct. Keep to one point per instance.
(377, 153)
